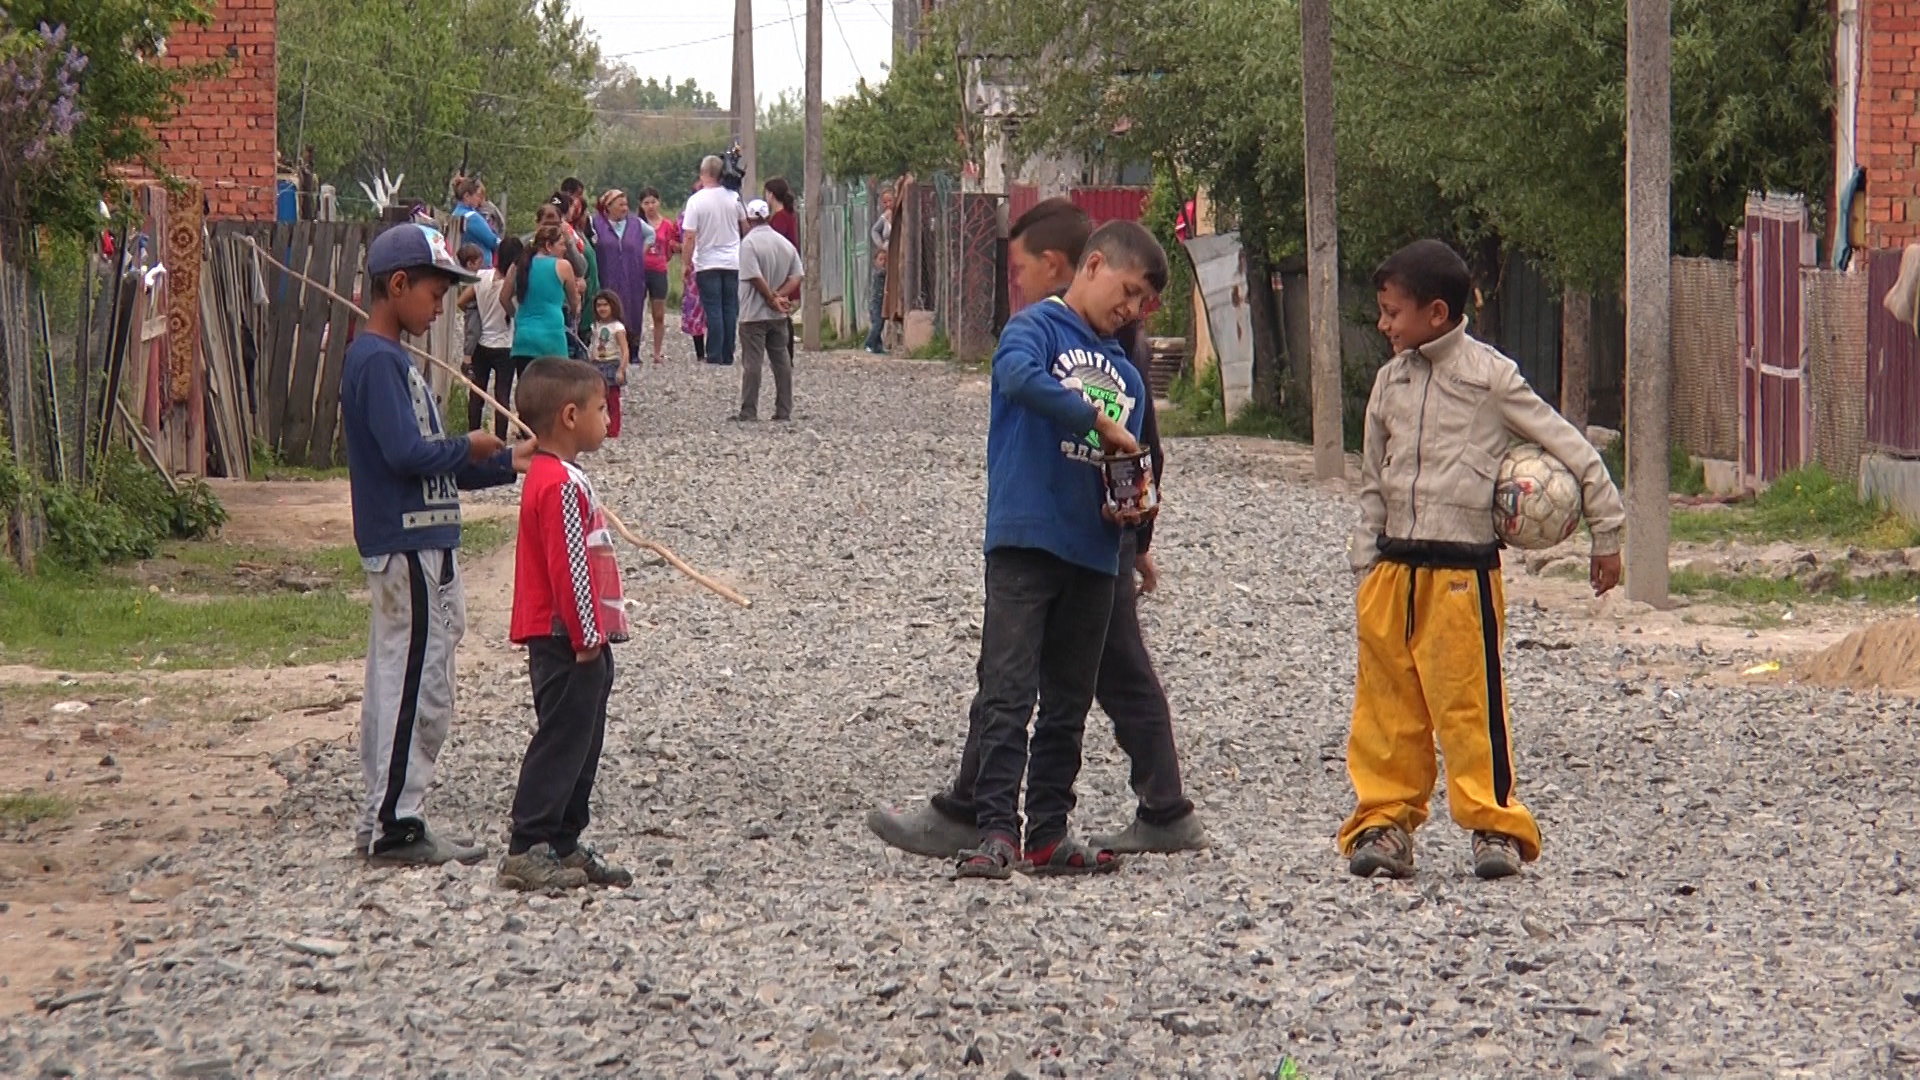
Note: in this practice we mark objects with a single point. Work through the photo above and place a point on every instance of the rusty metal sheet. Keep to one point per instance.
(1220, 268)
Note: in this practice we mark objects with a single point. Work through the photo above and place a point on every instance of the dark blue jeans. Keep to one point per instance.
(720, 295)
(873, 310)
(1040, 641)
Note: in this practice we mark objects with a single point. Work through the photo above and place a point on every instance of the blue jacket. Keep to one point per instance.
(476, 231)
(1044, 488)
(404, 472)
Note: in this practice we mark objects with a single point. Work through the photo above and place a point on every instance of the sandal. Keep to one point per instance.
(1070, 856)
(996, 859)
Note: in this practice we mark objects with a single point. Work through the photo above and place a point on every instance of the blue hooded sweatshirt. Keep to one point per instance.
(1044, 487)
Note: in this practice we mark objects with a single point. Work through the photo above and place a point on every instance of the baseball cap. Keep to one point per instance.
(414, 247)
(757, 210)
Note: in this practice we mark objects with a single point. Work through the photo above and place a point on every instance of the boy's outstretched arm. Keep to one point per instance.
(388, 400)
(1533, 419)
(1363, 549)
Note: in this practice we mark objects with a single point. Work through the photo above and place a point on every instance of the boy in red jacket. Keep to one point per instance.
(567, 610)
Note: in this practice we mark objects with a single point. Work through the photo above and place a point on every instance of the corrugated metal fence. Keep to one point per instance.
(1893, 366)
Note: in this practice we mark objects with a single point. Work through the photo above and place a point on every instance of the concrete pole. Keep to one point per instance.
(746, 107)
(1323, 236)
(1649, 344)
(814, 187)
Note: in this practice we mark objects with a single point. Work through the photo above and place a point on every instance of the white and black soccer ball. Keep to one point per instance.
(1536, 500)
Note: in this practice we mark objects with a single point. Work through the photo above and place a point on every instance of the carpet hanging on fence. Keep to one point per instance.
(185, 212)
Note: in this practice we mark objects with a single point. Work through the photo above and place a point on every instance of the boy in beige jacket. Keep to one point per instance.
(1431, 606)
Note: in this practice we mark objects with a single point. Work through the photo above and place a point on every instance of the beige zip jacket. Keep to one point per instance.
(1440, 419)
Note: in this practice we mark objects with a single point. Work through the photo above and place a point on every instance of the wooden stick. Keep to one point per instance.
(473, 388)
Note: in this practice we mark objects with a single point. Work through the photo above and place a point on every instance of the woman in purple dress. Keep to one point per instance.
(620, 241)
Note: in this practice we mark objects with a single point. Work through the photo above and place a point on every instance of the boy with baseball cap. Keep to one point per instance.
(406, 473)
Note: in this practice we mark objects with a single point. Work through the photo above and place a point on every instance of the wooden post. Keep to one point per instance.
(1323, 237)
(746, 108)
(810, 307)
(1649, 279)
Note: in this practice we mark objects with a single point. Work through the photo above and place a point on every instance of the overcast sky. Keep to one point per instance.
(693, 39)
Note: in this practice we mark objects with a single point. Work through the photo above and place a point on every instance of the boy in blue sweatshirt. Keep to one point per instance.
(1064, 395)
(406, 475)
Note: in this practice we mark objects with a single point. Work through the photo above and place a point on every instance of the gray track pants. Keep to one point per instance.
(419, 616)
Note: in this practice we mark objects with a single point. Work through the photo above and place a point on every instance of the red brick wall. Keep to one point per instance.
(1888, 121)
(223, 136)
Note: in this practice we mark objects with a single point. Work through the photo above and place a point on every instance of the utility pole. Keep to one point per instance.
(1323, 237)
(1576, 328)
(746, 109)
(1649, 345)
(813, 185)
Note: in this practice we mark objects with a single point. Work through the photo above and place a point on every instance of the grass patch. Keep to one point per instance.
(937, 349)
(1685, 476)
(1806, 504)
(1765, 590)
(267, 465)
(99, 623)
(27, 807)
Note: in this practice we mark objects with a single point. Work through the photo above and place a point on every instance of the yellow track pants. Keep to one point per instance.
(1430, 667)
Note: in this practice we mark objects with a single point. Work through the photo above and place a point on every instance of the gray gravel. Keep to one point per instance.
(1725, 888)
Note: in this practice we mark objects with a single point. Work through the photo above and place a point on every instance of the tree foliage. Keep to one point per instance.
(1495, 124)
(81, 90)
(412, 86)
(617, 88)
(664, 152)
(913, 121)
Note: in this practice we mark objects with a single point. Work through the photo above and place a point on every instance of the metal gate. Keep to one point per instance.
(1776, 410)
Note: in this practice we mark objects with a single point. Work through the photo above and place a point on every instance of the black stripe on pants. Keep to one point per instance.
(409, 691)
(1496, 693)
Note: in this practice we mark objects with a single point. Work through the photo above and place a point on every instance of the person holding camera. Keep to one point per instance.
(711, 235)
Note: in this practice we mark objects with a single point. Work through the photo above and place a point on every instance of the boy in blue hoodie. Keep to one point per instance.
(406, 474)
(1064, 396)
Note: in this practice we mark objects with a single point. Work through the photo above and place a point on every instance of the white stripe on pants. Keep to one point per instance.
(419, 616)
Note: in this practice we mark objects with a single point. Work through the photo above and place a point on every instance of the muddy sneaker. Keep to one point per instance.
(1495, 856)
(598, 872)
(1139, 838)
(536, 870)
(1383, 849)
(925, 831)
(412, 843)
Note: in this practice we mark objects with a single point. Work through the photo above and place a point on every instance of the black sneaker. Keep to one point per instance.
(1383, 849)
(412, 843)
(598, 871)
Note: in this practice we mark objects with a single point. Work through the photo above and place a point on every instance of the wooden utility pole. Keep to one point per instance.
(815, 188)
(746, 108)
(1649, 344)
(1323, 237)
(1576, 334)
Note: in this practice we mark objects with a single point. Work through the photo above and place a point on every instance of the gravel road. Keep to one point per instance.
(1725, 888)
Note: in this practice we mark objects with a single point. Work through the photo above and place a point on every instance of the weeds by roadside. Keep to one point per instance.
(27, 807)
(1804, 505)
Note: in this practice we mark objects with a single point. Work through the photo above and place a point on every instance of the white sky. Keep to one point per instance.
(693, 39)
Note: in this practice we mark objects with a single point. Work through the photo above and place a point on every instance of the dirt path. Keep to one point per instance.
(138, 765)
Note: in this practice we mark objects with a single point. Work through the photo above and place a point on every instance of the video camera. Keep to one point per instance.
(732, 173)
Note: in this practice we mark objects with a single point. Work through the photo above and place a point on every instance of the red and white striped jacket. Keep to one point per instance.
(566, 581)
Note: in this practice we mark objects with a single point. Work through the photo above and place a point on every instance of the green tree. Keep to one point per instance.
(914, 121)
(414, 86)
(618, 89)
(81, 92)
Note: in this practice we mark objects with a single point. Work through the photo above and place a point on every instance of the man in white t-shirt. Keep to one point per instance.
(712, 238)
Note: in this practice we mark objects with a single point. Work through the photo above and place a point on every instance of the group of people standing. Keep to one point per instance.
(569, 288)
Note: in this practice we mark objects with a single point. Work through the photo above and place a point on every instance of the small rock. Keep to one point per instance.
(758, 832)
(514, 925)
(107, 762)
(138, 897)
(321, 947)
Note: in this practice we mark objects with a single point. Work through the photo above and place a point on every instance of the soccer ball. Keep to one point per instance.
(1536, 500)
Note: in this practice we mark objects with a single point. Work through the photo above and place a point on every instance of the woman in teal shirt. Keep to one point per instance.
(544, 280)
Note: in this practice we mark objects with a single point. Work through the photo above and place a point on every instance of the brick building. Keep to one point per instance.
(1877, 115)
(224, 134)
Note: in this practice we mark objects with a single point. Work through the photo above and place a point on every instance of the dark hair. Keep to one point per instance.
(781, 191)
(470, 251)
(552, 383)
(467, 186)
(380, 283)
(1128, 244)
(572, 186)
(613, 303)
(649, 192)
(509, 251)
(543, 237)
(1054, 224)
(1428, 270)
